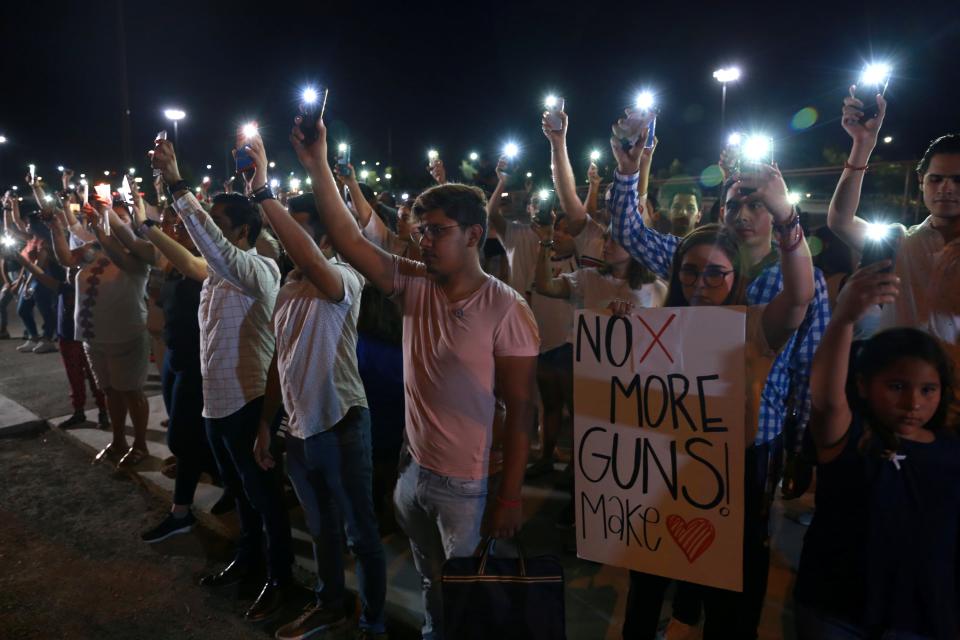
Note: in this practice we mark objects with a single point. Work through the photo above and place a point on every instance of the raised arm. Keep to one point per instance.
(374, 263)
(841, 216)
(784, 314)
(299, 245)
(61, 248)
(140, 249)
(38, 273)
(563, 179)
(495, 217)
(191, 266)
(126, 261)
(654, 249)
(592, 202)
(361, 206)
(831, 413)
(544, 281)
(244, 270)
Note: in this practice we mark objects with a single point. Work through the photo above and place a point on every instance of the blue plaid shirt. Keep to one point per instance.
(791, 369)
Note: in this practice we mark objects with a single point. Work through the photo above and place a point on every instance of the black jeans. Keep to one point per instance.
(258, 493)
(186, 435)
(729, 614)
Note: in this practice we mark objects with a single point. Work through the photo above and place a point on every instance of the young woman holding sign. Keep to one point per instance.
(880, 557)
(709, 269)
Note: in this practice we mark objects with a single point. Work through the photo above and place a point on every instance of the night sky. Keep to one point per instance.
(458, 77)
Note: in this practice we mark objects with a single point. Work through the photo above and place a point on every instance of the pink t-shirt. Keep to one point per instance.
(448, 366)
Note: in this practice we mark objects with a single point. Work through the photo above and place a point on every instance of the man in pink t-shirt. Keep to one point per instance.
(467, 340)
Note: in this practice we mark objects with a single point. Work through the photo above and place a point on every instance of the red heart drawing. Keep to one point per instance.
(692, 537)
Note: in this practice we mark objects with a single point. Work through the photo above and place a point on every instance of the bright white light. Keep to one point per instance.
(309, 95)
(60, 168)
(877, 231)
(377, 163)
(294, 184)
(133, 171)
(15, 187)
(250, 130)
(888, 140)
(734, 139)
(511, 150)
(82, 181)
(594, 155)
(174, 114)
(364, 174)
(83, 175)
(474, 156)
(363, 163)
(7, 241)
(342, 147)
(206, 179)
(138, 179)
(309, 180)
(3, 139)
(433, 154)
(209, 166)
(106, 173)
(543, 194)
(529, 174)
(793, 198)
(875, 74)
(198, 189)
(48, 198)
(274, 183)
(757, 148)
(73, 186)
(32, 168)
(378, 179)
(404, 196)
(273, 165)
(388, 176)
(727, 74)
(550, 102)
(645, 100)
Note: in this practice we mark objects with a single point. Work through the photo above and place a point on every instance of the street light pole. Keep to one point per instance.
(724, 76)
(175, 115)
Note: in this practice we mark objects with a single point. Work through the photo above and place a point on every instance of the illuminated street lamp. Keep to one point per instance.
(175, 115)
(724, 76)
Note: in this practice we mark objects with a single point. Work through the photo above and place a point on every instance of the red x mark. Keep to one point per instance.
(656, 338)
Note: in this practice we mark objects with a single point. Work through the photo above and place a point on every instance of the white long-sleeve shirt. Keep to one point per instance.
(236, 310)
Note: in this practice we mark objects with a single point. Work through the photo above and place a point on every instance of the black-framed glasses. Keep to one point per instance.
(431, 231)
(712, 276)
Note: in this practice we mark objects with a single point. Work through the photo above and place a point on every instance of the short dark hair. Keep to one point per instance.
(305, 203)
(465, 204)
(723, 239)
(241, 212)
(883, 350)
(949, 143)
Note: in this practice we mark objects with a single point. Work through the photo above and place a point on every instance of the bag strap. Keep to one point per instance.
(487, 545)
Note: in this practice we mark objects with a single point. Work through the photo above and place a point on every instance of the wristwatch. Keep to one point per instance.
(146, 225)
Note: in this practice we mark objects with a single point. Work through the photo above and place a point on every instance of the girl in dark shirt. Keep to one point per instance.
(880, 557)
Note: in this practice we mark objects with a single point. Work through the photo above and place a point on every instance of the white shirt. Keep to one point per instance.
(589, 243)
(919, 306)
(111, 304)
(317, 352)
(236, 310)
(593, 290)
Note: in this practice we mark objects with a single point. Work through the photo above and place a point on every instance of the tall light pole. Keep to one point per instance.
(723, 76)
(176, 115)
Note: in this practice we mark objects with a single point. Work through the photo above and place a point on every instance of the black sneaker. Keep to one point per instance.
(78, 417)
(170, 526)
(103, 420)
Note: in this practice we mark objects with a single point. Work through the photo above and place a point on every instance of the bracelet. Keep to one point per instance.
(792, 246)
(146, 225)
(263, 193)
(790, 224)
(847, 165)
(179, 185)
(548, 243)
(510, 504)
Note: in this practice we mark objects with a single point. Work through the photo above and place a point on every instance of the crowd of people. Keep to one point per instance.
(419, 349)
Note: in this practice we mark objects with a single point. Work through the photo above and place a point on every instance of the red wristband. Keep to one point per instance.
(847, 165)
(510, 504)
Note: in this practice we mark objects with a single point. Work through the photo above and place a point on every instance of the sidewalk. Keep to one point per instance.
(595, 593)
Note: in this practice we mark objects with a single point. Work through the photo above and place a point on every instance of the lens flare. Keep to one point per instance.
(804, 119)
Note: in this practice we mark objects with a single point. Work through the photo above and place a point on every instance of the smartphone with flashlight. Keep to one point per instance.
(125, 192)
(244, 160)
(33, 173)
(161, 135)
(74, 208)
(555, 107)
(343, 159)
(544, 208)
(632, 128)
(312, 104)
(651, 134)
(882, 244)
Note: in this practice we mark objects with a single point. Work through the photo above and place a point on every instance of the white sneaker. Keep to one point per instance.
(45, 346)
(29, 345)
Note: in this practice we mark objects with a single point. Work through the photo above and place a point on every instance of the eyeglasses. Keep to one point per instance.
(712, 276)
(431, 231)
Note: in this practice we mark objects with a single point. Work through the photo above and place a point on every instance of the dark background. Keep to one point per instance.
(457, 76)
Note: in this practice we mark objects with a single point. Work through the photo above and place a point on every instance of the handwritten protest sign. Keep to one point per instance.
(659, 441)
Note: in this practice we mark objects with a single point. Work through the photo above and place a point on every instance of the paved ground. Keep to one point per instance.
(595, 593)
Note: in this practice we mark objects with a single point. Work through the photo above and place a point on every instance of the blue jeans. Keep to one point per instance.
(442, 516)
(258, 493)
(45, 300)
(814, 624)
(332, 473)
(186, 436)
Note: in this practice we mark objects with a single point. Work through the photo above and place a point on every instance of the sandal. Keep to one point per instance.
(132, 458)
(109, 452)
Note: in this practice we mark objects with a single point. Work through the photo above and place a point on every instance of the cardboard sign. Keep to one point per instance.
(659, 403)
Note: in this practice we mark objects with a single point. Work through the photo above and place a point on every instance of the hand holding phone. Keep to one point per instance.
(555, 106)
(343, 159)
(161, 135)
(881, 243)
(312, 104)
